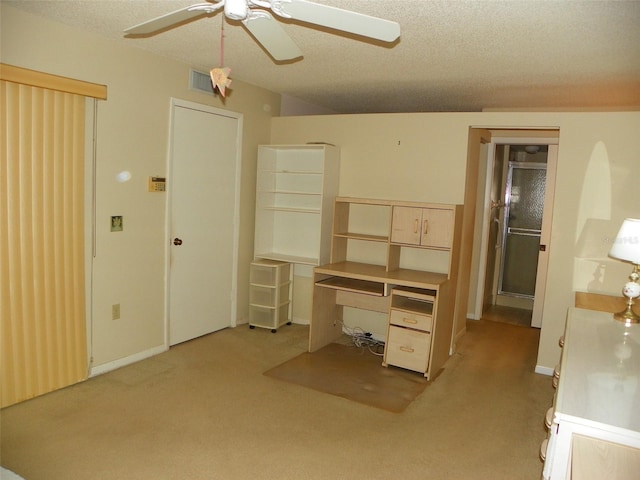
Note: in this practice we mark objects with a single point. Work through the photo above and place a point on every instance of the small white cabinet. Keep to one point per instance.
(427, 227)
(269, 294)
(295, 189)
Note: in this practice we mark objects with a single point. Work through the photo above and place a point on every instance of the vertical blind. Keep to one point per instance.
(42, 308)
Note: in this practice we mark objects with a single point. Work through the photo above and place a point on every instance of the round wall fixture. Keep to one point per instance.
(123, 176)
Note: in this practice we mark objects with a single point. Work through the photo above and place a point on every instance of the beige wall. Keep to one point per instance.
(422, 157)
(132, 134)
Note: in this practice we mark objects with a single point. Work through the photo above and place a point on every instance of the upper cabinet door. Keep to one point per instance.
(425, 227)
(437, 228)
(406, 225)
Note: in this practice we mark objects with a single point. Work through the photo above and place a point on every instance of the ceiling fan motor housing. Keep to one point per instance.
(236, 9)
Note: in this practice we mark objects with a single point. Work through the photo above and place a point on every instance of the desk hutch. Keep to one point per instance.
(419, 302)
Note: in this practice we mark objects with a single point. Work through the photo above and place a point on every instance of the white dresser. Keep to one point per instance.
(594, 430)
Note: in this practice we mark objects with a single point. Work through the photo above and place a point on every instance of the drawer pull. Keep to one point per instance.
(415, 226)
(412, 321)
(543, 449)
(548, 419)
(407, 349)
(425, 229)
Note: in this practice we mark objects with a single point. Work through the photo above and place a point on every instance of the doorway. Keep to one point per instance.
(203, 209)
(515, 209)
(521, 221)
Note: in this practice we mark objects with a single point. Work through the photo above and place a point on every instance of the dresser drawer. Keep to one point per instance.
(407, 348)
(412, 320)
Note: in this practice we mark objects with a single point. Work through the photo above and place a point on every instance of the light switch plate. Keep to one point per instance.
(116, 223)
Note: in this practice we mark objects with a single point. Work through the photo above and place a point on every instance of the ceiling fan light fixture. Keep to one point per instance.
(236, 9)
(532, 149)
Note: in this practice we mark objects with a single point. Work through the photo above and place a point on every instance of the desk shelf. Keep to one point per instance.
(414, 301)
(365, 287)
(378, 273)
(362, 236)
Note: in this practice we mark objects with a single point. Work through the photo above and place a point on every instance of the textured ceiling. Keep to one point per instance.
(452, 55)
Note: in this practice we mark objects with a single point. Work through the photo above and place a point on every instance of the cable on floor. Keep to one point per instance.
(362, 339)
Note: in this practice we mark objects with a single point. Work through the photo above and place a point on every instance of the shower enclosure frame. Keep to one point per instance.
(509, 232)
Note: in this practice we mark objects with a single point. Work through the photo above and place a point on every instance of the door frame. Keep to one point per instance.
(520, 137)
(545, 235)
(176, 102)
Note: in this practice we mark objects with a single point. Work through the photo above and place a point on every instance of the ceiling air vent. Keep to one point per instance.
(200, 82)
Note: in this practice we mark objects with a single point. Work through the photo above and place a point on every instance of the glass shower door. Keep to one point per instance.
(524, 202)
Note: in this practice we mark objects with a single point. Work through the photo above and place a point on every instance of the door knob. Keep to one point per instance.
(177, 241)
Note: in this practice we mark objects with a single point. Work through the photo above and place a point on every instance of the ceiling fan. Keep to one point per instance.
(267, 31)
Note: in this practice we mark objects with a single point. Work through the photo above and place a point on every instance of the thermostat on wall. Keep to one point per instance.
(157, 184)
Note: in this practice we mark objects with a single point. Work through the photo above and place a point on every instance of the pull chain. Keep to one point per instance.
(222, 42)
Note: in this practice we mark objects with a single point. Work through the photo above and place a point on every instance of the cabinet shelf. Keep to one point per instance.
(290, 192)
(419, 247)
(293, 172)
(284, 257)
(362, 236)
(417, 303)
(291, 209)
(422, 294)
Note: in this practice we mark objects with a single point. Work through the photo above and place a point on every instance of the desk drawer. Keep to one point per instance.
(407, 348)
(411, 320)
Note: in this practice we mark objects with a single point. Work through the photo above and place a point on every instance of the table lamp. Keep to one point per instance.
(626, 247)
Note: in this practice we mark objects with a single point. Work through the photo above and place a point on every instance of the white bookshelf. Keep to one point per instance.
(295, 189)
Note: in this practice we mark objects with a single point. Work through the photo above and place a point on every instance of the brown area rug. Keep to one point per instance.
(352, 373)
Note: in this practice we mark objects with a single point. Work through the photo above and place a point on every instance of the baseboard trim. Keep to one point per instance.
(300, 321)
(123, 362)
(544, 370)
(454, 341)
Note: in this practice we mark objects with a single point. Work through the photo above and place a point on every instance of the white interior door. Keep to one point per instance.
(203, 186)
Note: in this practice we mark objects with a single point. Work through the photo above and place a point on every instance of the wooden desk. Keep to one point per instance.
(369, 287)
(420, 319)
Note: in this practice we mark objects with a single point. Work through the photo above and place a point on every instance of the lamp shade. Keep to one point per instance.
(627, 243)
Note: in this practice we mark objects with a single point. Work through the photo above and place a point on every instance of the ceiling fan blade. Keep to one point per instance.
(268, 32)
(337, 18)
(173, 18)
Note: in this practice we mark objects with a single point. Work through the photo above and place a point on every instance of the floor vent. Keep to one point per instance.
(200, 82)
